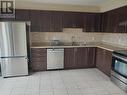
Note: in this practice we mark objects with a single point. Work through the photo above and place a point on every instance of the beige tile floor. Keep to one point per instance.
(64, 82)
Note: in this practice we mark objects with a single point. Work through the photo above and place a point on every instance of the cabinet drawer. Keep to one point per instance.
(36, 55)
(38, 59)
(38, 50)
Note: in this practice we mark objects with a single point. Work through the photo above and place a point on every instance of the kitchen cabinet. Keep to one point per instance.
(69, 58)
(114, 21)
(81, 57)
(104, 19)
(122, 21)
(35, 16)
(73, 20)
(104, 60)
(38, 59)
(92, 22)
(51, 21)
(22, 15)
(91, 57)
(46, 21)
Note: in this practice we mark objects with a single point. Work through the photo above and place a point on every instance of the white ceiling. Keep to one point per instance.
(70, 2)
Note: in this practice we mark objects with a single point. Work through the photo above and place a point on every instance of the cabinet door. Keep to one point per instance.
(100, 59)
(104, 61)
(81, 56)
(69, 58)
(46, 21)
(57, 21)
(73, 20)
(107, 61)
(35, 21)
(91, 55)
(22, 15)
(112, 22)
(104, 19)
(92, 22)
(38, 59)
(122, 20)
(51, 21)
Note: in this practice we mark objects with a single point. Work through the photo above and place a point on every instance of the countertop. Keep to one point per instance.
(106, 46)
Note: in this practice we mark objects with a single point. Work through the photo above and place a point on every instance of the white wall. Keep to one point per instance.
(58, 7)
(112, 4)
(107, 5)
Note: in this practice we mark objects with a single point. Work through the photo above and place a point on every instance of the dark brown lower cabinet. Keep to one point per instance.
(69, 58)
(91, 57)
(38, 59)
(81, 57)
(104, 60)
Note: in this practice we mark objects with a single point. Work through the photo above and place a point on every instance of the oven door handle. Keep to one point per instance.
(120, 57)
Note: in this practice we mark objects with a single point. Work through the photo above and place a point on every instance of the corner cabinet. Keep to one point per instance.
(38, 59)
(104, 60)
(115, 21)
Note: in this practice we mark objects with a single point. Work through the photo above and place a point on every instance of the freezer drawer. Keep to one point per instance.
(14, 67)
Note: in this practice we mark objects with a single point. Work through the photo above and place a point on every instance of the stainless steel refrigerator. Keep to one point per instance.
(13, 49)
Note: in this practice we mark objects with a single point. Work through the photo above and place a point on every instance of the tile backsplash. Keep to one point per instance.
(115, 38)
(66, 36)
(68, 33)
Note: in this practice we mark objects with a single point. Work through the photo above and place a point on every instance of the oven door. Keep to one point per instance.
(119, 65)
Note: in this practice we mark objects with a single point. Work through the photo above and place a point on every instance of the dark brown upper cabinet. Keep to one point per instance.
(73, 20)
(104, 21)
(51, 21)
(112, 21)
(122, 21)
(22, 15)
(92, 22)
(115, 21)
(35, 18)
(46, 21)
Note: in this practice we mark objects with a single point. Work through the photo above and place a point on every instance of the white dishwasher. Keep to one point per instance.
(55, 58)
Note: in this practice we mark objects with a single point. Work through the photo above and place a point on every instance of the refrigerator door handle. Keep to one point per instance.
(27, 59)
